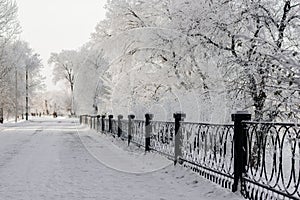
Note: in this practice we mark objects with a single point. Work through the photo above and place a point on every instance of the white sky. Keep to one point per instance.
(53, 25)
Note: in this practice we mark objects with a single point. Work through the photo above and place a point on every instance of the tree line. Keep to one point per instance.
(205, 57)
(19, 65)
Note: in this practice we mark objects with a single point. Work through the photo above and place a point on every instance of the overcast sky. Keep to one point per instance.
(53, 25)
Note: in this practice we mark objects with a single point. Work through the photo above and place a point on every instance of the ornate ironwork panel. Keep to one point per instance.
(124, 129)
(138, 132)
(114, 126)
(210, 147)
(163, 137)
(106, 127)
(99, 124)
(273, 169)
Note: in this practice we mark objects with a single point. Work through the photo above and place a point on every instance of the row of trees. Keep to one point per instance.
(204, 57)
(19, 65)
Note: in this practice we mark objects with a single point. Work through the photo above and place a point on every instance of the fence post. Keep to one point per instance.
(110, 117)
(83, 119)
(92, 120)
(91, 123)
(98, 122)
(1, 115)
(103, 123)
(130, 125)
(148, 130)
(179, 117)
(120, 125)
(240, 147)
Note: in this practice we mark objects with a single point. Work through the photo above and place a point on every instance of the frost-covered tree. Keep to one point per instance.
(89, 85)
(9, 27)
(140, 37)
(81, 69)
(16, 57)
(258, 42)
(65, 65)
(20, 58)
(229, 54)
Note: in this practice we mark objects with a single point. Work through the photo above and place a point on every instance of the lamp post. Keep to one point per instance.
(26, 106)
(16, 97)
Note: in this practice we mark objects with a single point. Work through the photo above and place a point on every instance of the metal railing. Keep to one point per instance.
(138, 132)
(210, 147)
(264, 158)
(162, 138)
(273, 160)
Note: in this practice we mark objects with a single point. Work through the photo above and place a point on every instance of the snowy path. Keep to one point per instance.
(58, 159)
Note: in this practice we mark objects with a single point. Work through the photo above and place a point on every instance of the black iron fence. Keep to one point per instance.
(273, 160)
(162, 138)
(260, 159)
(210, 148)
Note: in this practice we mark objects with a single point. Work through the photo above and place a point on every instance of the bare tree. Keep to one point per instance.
(65, 64)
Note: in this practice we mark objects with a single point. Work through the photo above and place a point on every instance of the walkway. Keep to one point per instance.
(59, 159)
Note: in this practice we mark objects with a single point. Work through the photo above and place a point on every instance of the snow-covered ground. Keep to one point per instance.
(59, 159)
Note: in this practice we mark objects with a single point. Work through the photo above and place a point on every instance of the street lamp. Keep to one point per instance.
(16, 94)
(26, 106)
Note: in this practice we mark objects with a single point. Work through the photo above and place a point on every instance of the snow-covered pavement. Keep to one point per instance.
(59, 159)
